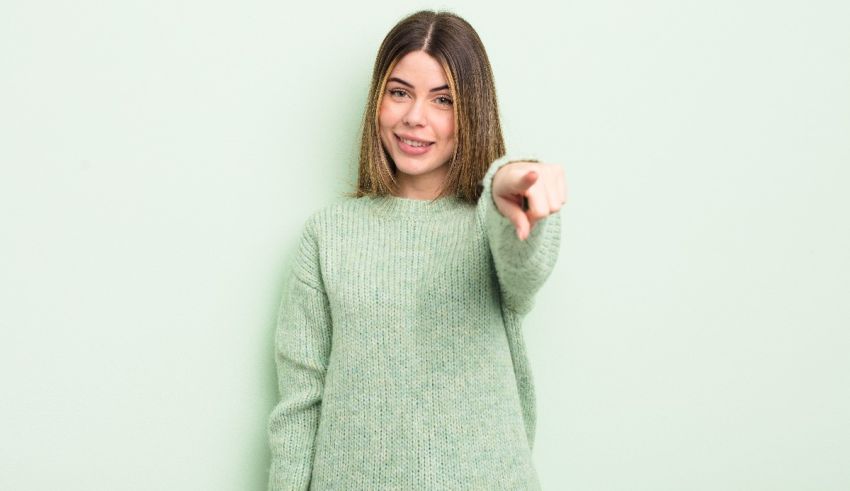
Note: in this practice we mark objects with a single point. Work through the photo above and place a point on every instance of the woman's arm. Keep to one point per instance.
(522, 266)
(302, 348)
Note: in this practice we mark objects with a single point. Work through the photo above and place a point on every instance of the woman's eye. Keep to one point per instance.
(442, 100)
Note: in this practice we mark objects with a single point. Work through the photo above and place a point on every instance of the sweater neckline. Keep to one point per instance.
(397, 206)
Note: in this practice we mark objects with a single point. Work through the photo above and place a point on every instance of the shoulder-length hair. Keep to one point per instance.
(453, 42)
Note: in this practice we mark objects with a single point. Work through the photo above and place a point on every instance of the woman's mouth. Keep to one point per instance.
(413, 147)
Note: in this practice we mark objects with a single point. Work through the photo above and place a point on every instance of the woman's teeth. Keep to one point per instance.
(414, 143)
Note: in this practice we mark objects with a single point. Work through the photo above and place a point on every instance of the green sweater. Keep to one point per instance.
(399, 349)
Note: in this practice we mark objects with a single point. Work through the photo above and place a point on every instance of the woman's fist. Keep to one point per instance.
(541, 185)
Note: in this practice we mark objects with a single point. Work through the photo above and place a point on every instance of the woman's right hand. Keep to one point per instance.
(541, 185)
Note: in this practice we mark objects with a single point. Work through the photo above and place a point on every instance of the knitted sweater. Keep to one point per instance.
(399, 349)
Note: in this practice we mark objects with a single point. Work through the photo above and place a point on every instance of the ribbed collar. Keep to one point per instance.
(395, 206)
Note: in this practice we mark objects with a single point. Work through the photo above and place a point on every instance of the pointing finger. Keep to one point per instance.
(525, 182)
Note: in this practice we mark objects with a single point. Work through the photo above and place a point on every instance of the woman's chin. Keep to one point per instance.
(414, 168)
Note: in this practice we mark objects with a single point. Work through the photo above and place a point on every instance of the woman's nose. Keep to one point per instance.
(414, 115)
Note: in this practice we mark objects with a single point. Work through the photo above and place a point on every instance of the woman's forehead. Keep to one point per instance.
(419, 68)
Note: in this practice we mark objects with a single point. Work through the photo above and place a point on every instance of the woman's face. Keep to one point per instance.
(417, 106)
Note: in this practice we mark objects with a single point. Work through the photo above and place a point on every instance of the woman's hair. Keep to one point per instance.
(478, 134)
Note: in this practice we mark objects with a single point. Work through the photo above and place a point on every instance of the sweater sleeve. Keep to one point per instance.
(302, 348)
(521, 266)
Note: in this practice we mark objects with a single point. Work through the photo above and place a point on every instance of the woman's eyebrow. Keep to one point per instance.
(396, 79)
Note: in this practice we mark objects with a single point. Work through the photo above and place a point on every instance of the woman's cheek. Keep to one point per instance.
(384, 113)
(448, 127)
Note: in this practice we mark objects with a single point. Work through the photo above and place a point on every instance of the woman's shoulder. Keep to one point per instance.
(342, 209)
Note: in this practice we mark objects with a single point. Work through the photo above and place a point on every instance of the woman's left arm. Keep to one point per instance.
(524, 242)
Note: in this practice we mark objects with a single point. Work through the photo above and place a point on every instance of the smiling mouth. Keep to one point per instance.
(413, 143)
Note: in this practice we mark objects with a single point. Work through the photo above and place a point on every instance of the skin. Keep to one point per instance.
(415, 110)
(420, 113)
(543, 186)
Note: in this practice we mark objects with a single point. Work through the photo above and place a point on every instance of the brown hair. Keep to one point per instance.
(478, 134)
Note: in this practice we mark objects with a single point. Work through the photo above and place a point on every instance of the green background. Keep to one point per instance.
(159, 159)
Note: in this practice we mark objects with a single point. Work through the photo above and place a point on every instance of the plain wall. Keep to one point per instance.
(159, 159)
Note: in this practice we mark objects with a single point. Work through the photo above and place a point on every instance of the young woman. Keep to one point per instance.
(400, 355)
